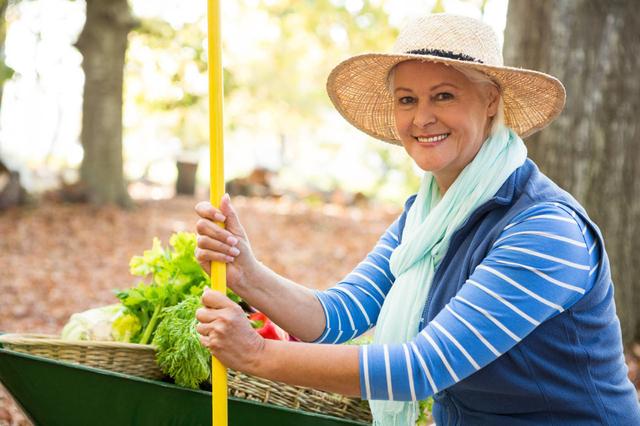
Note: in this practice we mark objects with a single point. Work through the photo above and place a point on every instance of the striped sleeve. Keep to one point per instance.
(352, 306)
(541, 264)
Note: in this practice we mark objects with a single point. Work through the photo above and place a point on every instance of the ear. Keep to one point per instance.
(493, 97)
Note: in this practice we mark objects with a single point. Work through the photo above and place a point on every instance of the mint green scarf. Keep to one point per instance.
(430, 223)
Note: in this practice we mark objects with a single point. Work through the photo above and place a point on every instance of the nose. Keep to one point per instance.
(424, 115)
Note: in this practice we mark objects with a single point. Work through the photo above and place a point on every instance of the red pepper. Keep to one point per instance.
(266, 328)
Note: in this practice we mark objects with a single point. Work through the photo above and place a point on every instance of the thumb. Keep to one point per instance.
(232, 223)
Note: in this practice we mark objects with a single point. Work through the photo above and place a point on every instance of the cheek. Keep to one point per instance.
(403, 120)
(474, 138)
(473, 126)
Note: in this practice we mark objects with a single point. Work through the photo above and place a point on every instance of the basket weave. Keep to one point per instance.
(139, 360)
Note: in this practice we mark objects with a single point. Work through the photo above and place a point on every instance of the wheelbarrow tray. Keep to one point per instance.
(55, 393)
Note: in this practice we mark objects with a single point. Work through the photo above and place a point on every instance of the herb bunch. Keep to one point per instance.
(179, 352)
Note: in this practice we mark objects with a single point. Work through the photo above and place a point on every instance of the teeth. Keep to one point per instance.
(433, 138)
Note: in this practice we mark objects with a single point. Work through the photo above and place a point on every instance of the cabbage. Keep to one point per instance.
(94, 324)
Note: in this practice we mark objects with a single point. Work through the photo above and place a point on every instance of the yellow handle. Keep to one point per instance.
(216, 150)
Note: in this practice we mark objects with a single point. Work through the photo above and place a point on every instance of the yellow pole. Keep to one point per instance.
(216, 151)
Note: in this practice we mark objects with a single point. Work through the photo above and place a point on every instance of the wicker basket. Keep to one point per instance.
(139, 360)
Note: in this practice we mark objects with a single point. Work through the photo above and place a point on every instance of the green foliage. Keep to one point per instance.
(277, 55)
(438, 7)
(126, 328)
(175, 266)
(360, 340)
(270, 83)
(6, 72)
(175, 274)
(179, 352)
(165, 70)
(310, 37)
(424, 417)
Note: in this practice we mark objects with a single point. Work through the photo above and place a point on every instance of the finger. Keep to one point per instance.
(210, 229)
(204, 328)
(215, 332)
(208, 243)
(205, 257)
(205, 265)
(233, 221)
(204, 341)
(207, 315)
(206, 210)
(217, 300)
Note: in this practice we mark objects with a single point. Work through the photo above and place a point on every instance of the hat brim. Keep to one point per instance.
(359, 91)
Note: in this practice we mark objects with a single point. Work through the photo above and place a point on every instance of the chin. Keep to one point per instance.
(425, 167)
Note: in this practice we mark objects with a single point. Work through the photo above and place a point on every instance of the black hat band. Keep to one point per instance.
(445, 54)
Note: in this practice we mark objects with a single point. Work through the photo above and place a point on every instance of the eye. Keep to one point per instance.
(443, 96)
(406, 100)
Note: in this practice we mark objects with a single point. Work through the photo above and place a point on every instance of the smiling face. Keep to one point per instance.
(442, 118)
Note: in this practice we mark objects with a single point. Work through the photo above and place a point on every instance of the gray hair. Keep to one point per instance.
(475, 77)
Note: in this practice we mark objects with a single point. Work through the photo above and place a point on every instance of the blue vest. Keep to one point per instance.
(570, 370)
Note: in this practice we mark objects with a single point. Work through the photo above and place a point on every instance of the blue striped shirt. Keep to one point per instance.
(541, 264)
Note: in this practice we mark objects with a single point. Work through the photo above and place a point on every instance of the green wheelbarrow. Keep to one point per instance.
(55, 393)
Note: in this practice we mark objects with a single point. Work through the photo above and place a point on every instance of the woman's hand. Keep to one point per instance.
(227, 333)
(229, 245)
(293, 307)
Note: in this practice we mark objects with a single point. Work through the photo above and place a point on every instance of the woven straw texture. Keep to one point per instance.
(358, 87)
(128, 358)
(139, 360)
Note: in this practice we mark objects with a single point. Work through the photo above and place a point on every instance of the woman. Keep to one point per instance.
(492, 291)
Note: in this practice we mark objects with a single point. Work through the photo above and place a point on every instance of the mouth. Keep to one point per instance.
(432, 139)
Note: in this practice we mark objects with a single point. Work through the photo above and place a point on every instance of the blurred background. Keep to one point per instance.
(104, 137)
(278, 118)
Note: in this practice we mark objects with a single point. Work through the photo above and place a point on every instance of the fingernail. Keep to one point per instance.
(226, 195)
(234, 251)
(232, 241)
(229, 258)
(219, 217)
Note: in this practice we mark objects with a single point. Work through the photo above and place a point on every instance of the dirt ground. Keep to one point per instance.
(58, 259)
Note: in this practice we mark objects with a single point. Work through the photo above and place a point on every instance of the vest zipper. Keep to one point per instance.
(479, 212)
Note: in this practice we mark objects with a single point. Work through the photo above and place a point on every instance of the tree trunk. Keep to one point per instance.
(592, 149)
(103, 43)
(11, 191)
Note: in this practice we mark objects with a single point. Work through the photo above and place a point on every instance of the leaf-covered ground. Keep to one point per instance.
(57, 259)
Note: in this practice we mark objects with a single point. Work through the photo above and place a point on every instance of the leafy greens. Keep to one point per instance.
(179, 352)
(175, 274)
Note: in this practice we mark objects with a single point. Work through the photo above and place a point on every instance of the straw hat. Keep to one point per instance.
(359, 90)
